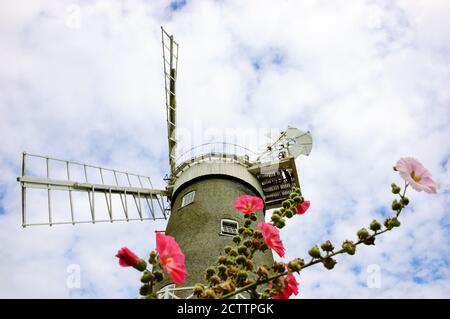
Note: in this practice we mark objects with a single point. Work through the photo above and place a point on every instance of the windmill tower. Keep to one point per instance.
(202, 185)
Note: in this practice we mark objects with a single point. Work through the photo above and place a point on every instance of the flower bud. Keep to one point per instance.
(257, 234)
(395, 188)
(210, 271)
(147, 277)
(279, 267)
(404, 201)
(396, 205)
(198, 289)
(141, 265)
(289, 213)
(222, 259)
(349, 247)
(214, 279)
(247, 223)
(241, 230)
(297, 199)
(250, 264)
(314, 252)
(329, 262)
(158, 275)
(247, 232)
(375, 225)
(226, 287)
(209, 294)
(221, 268)
(144, 290)
(327, 246)
(242, 275)
(242, 250)
(152, 258)
(294, 265)
(241, 260)
(275, 217)
(232, 271)
(253, 217)
(394, 222)
(370, 241)
(227, 249)
(237, 239)
(280, 224)
(286, 204)
(247, 243)
(362, 234)
(262, 272)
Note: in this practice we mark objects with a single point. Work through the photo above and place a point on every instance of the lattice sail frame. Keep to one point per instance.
(155, 199)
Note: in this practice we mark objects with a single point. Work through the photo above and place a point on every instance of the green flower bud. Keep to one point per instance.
(314, 252)
(241, 230)
(152, 258)
(394, 222)
(294, 265)
(158, 275)
(248, 232)
(198, 289)
(279, 267)
(253, 217)
(375, 225)
(329, 262)
(214, 279)
(289, 213)
(286, 204)
(370, 241)
(210, 271)
(144, 290)
(247, 243)
(227, 249)
(386, 223)
(147, 277)
(237, 239)
(349, 247)
(241, 259)
(362, 234)
(297, 199)
(395, 188)
(141, 265)
(222, 259)
(233, 252)
(242, 250)
(396, 205)
(281, 223)
(327, 246)
(247, 223)
(404, 201)
(275, 217)
(242, 275)
(222, 268)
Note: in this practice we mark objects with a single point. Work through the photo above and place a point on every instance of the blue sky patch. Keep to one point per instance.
(176, 5)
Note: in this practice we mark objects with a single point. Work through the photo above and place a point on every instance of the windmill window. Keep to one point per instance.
(188, 199)
(229, 227)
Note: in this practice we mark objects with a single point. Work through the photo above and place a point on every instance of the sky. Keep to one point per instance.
(83, 80)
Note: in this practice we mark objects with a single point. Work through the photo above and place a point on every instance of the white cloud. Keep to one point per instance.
(370, 80)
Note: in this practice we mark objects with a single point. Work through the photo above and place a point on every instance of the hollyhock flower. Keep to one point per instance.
(290, 288)
(416, 175)
(128, 259)
(302, 207)
(248, 204)
(172, 258)
(272, 237)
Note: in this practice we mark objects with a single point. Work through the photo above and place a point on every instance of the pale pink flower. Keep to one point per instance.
(272, 237)
(172, 258)
(248, 204)
(416, 175)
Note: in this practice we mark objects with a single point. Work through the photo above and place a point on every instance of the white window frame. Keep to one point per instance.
(229, 221)
(188, 198)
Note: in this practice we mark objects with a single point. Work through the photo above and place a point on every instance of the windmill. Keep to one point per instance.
(202, 185)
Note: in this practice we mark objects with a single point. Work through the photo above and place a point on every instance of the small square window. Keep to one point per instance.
(229, 227)
(188, 199)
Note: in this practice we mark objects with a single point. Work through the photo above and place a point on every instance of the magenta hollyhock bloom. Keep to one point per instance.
(127, 258)
(302, 207)
(290, 288)
(172, 258)
(272, 237)
(248, 204)
(416, 175)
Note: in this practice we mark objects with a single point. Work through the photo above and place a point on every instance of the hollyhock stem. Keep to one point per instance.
(314, 261)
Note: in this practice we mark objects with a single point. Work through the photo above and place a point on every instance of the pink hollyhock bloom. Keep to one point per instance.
(416, 175)
(290, 288)
(272, 237)
(127, 258)
(303, 207)
(248, 204)
(172, 258)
